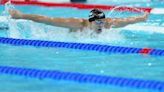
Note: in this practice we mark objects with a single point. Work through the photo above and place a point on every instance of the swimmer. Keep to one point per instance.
(96, 21)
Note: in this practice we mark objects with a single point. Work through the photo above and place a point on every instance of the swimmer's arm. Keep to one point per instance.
(72, 23)
(121, 22)
(59, 22)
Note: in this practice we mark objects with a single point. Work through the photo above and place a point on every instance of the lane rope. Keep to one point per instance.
(86, 6)
(78, 5)
(84, 78)
(82, 46)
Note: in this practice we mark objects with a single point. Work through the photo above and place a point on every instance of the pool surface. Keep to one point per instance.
(135, 66)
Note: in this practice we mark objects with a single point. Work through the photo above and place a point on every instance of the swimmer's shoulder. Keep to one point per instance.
(108, 22)
(85, 23)
(82, 21)
(79, 22)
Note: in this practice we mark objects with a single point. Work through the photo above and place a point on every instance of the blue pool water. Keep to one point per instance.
(89, 62)
(141, 3)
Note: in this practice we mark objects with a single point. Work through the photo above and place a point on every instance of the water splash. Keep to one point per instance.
(124, 13)
(10, 24)
(60, 34)
(32, 30)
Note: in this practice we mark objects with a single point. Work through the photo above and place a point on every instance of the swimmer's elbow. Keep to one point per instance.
(120, 24)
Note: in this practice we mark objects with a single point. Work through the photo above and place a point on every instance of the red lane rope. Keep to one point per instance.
(77, 5)
(3, 1)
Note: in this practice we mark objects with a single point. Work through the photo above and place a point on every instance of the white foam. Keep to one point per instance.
(87, 36)
(3, 18)
(157, 11)
(145, 28)
(13, 31)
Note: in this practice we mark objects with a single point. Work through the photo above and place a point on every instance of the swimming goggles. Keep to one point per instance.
(99, 22)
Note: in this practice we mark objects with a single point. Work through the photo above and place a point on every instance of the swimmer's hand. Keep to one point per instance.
(145, 15)
(15, 14)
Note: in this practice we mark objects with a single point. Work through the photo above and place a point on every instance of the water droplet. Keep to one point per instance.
(102, 71)
(57, 52)
(149, 64)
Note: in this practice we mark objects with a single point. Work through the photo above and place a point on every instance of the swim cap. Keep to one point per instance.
(96, 14)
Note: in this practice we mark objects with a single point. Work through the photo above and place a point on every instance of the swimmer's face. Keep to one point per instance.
(98, 24)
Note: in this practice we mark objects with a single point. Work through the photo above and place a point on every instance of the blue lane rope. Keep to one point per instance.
(81, 46)
(83, 78)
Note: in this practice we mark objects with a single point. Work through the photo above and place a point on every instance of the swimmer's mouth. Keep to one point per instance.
(98, 30)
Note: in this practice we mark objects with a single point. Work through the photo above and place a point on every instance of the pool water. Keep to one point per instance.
(136, 3)
(89, 62)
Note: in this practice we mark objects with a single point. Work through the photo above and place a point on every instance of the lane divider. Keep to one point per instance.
(86, 6)
(84, 78)
(145, 51)
(78, 5)
(82, 46)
